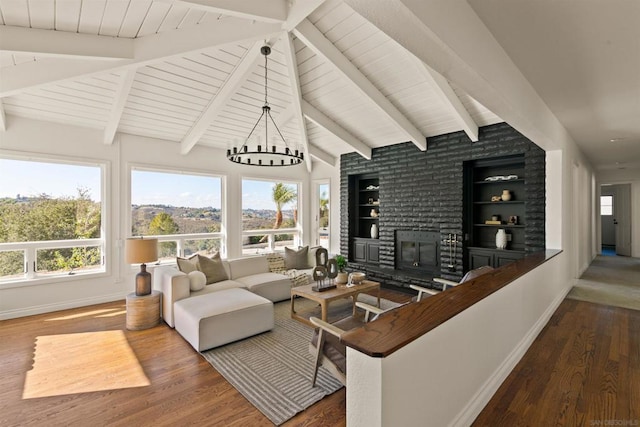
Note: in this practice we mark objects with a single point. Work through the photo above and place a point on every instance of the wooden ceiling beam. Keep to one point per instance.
(449, 99)
(323, 47)
(235, 80)
(50, 43)
(148, 50)
(322, 155)
(272, 11)
(320, 119)
(120, 100)
(294, 78)
(3, 118)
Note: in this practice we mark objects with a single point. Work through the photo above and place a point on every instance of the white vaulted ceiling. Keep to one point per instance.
(191, 72)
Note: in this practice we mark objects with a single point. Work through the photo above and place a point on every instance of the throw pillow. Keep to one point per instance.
(187, 265)
(197, 280)
(296, 259)
(276, 263)
(212, 268)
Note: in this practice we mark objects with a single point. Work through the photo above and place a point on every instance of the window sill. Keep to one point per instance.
(50, 280)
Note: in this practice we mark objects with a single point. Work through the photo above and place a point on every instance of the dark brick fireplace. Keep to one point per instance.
(422, 191)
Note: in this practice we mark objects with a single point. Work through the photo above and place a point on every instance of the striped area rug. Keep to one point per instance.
(273, 370)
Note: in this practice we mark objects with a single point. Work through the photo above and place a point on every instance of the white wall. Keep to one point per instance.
(42, 139)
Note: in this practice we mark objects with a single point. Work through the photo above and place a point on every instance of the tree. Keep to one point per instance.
(163, 224)
(324, 210)
(282, 195)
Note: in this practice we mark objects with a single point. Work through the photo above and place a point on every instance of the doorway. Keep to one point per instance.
(615, 217)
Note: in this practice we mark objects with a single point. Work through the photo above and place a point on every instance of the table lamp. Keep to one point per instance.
(140, 250)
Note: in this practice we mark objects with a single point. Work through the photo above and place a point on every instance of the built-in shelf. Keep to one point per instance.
(505, 182)
(364, 248)
(500, 225)
(478, 208)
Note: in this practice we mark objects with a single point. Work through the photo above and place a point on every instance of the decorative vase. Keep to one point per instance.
(506, 195)
(342, 278)
(374, 231)
(501, 239)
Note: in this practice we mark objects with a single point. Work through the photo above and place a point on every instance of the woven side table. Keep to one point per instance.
(143, 312)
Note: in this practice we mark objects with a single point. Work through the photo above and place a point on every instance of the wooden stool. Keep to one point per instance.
(143, 312)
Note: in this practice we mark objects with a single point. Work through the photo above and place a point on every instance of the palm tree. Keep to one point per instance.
(282, 194)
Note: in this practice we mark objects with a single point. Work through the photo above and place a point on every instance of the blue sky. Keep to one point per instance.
(55, 179)
(58, 180)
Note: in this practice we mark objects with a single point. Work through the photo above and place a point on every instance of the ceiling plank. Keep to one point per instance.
(322, 156)
(299, 11)
(148, 49)
(211, 113)
(449, 98)
(272, 11)
(319, 118)
(320, 45)
(294, 76)
(50, 43)
(446, 36)
(120, 100)
(286, 115)
(3, 118)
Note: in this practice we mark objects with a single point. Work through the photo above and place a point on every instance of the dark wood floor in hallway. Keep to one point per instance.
(584, 366)
(582, 370)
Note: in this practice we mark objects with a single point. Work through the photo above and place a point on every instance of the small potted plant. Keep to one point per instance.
(342, 275)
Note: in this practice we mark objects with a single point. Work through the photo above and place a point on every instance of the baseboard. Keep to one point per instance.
(470, 412)
(48, 308)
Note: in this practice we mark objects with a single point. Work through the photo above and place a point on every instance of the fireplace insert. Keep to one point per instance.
(417, 251)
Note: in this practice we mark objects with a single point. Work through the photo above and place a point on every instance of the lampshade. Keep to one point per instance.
(138, 250)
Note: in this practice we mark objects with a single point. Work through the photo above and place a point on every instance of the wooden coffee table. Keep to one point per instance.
(324, 298)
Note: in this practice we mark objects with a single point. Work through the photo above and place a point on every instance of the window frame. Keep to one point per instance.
(180, 238)
(32, 277)
(602, 205)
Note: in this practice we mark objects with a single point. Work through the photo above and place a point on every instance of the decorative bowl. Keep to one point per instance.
(357, 277)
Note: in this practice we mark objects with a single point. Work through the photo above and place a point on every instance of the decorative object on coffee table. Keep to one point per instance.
(143, 311)
(342, 264)
(141, 250)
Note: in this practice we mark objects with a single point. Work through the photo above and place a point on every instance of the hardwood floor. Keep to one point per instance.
(183, 389)
(584, 368)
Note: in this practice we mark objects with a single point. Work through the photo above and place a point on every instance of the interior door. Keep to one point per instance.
(622, 219)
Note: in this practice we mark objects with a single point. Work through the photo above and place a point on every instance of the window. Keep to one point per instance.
(606, 205)
(184, 211)
(322, 214)
(51, 219)
(269, 216)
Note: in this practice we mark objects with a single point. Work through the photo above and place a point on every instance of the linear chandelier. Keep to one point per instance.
(269, 154)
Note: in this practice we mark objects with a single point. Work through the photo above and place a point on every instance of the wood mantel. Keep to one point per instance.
(401, 326)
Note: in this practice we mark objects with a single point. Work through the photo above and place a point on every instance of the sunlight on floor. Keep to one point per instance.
(87, 314)
(82, 363)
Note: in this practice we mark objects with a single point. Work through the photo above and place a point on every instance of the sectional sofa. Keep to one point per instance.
(230, 309)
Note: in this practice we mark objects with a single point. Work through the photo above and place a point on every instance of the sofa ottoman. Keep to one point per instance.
(221, 317)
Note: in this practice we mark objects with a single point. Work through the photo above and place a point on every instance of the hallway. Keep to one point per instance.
(584, 367)
(610, 280)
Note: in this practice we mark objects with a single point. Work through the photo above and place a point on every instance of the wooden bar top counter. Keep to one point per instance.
(407, 323)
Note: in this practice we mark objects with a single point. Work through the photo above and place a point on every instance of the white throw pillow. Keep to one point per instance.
(197, 280)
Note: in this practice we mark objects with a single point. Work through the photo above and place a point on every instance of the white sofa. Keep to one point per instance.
(251, 273)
